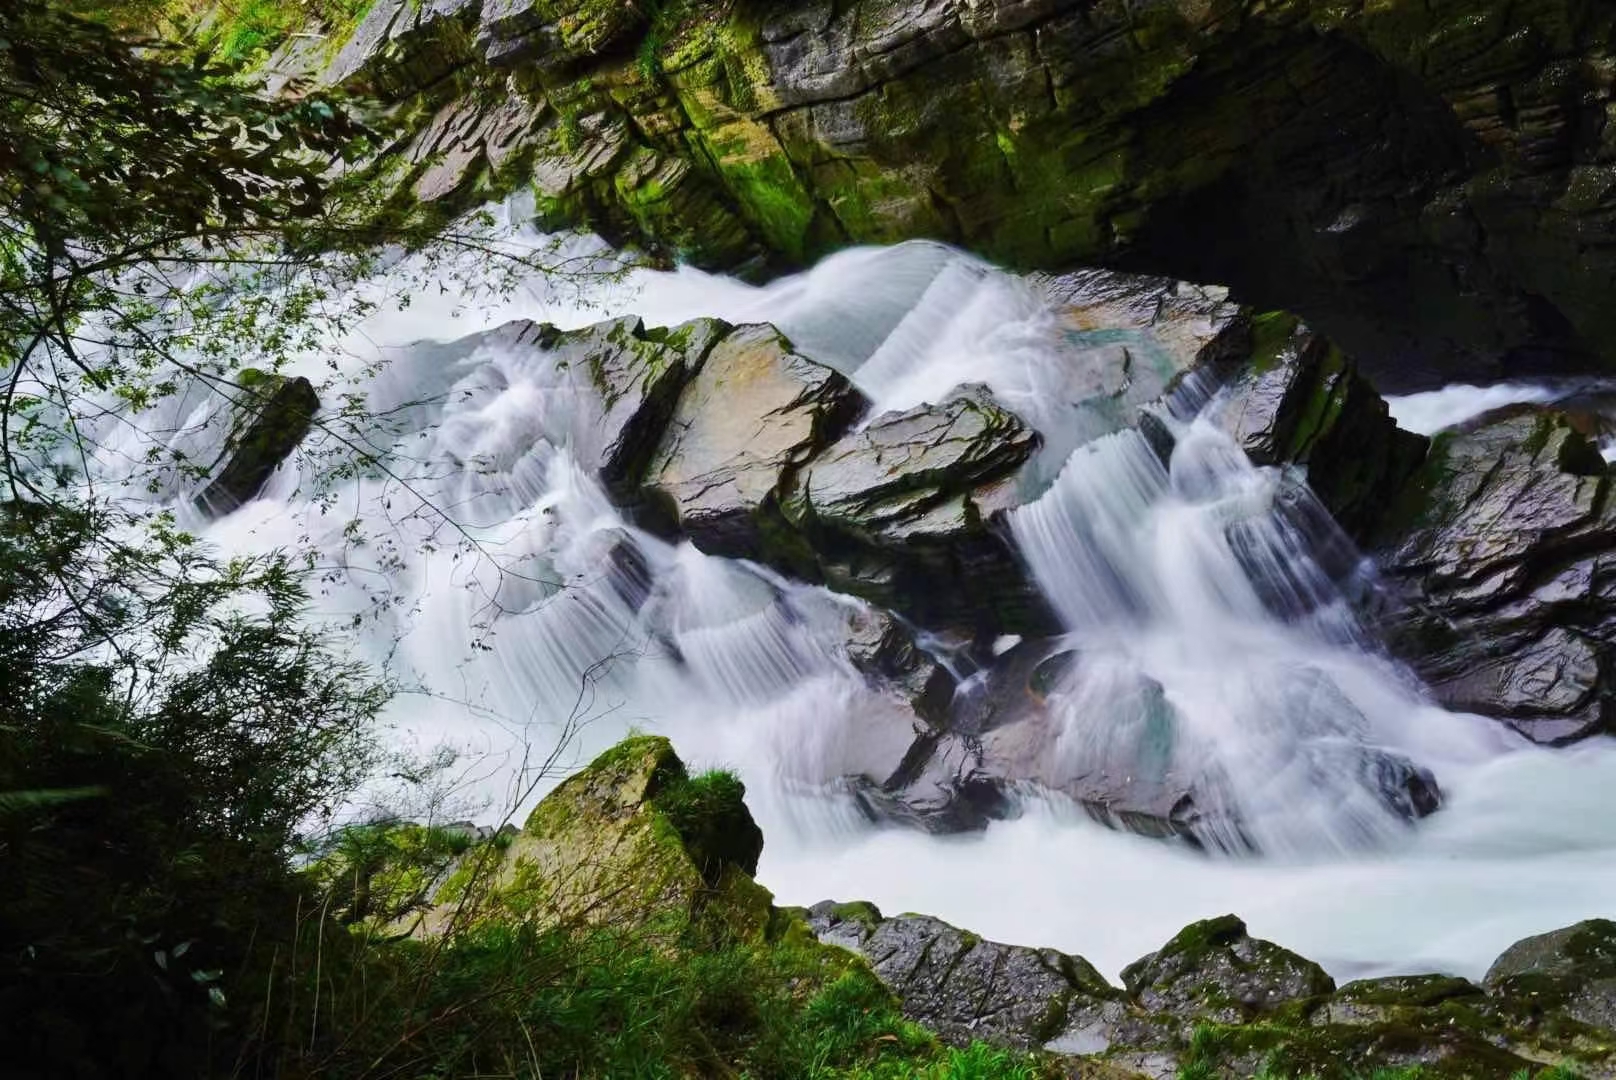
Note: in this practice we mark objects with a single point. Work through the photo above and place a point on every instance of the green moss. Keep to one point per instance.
(251, 29)
(774, 201)
(709, 814)
(1271, 333)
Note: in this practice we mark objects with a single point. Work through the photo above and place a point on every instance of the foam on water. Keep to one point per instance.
(1203, 580)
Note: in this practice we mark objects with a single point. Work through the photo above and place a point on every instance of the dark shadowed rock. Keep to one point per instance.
(1297, 400)
(1214, 970)
(882, 647)
(275, 414)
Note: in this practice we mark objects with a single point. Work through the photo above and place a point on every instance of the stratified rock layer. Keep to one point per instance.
(1504, 559)
(1432, 184)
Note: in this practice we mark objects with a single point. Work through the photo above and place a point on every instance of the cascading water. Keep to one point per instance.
(1210, 640)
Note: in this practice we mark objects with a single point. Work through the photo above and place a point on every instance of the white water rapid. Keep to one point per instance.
(1179, 585)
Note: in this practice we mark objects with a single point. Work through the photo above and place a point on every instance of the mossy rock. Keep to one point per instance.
(1214, 970)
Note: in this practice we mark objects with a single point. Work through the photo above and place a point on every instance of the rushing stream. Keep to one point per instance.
(558, 617)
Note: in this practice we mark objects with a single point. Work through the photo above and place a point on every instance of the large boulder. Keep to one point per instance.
(1501, 558)
(966, 988)
(271, 418)
(632, 841)
(632, 837)
(902, 512)
(752, 416)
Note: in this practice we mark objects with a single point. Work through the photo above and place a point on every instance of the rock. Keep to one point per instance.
(965, 988)
(901, 511)
(1017, 724)
(882, 647)
(405, 47)
(1297, 400)
(626, 380)
(1215, 971)
(1501, 564)
(1374, 1001)
(1571, 971)
(276, 414)
(753, 414)
(554, 34)
(634, 837)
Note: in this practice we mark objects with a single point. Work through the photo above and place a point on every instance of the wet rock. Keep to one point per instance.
(1502, 575)
(965, 988)
(882, 647)
(606, 391)
(276, 416)
(1571, 971)
(1297, 400)
(901, 511)
(1023, 725)
(753, 415)
(1215, 971)
(636, 376)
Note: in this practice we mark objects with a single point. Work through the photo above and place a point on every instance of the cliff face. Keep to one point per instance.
(1431, 182)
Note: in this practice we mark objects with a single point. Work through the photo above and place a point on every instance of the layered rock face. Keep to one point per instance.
(1431, 184)
(1503, 575)
(634, 843)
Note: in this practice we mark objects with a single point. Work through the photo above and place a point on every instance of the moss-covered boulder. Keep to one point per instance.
(1570, 971)
(633, 842)
(272, 416)
(1214, 970)
(634, 838)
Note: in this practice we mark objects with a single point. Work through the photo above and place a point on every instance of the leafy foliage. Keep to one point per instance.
(160, 749)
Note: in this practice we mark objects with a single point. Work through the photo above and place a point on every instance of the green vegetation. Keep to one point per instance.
(507, 1000)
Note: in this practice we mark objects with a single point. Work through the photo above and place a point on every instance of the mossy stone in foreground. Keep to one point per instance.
(1214, 970)
(604, 848)
(1572, 971)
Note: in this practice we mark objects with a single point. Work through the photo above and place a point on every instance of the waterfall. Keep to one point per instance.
(1202, 597)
